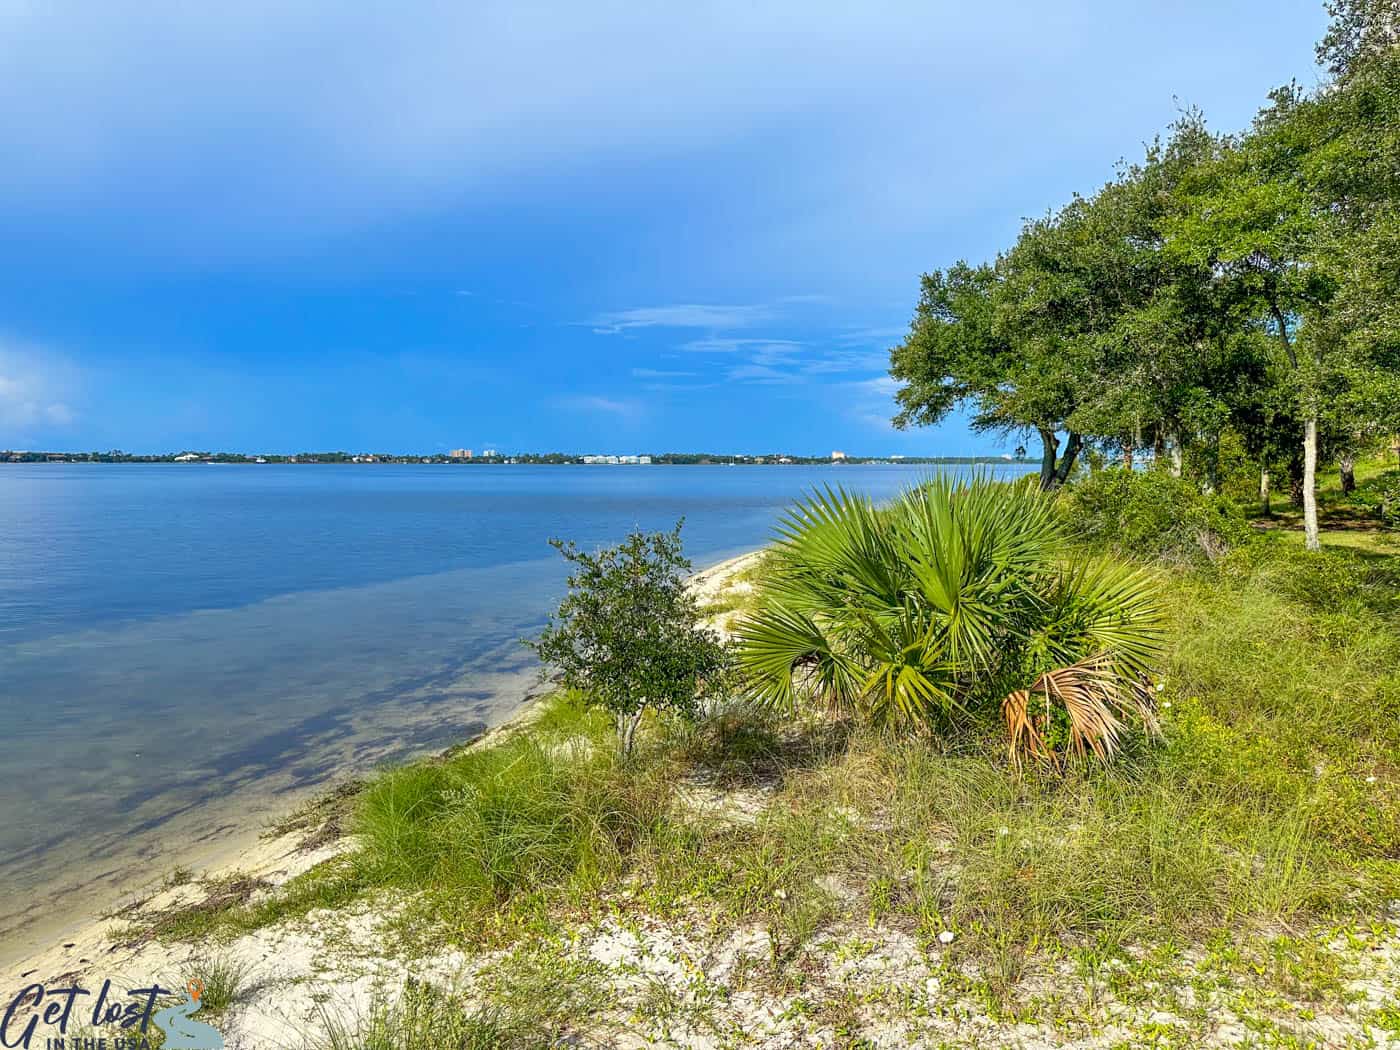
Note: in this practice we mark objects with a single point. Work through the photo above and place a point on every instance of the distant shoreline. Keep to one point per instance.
(529, 459)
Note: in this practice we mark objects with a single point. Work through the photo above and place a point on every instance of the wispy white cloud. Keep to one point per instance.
(661, 373)
(869, 402)
(36, 388)
(884, 336)
(682, 315)
(715, 344)
(765, 374)
(840, 361)
(621, 408)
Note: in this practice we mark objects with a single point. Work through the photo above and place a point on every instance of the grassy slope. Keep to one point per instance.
(1242, 866)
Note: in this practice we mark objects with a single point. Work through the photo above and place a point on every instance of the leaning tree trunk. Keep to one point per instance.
(1127, 456)
(1310, 534)
(1264, 493)
(1174, 448)
(1055, 471)
(1072, 446)
(1348, 467)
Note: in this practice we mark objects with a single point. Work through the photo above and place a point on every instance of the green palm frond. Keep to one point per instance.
(952, 596)
(775, 644)
(1104, 606)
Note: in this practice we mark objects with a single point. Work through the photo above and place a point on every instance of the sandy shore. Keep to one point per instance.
(94, 943)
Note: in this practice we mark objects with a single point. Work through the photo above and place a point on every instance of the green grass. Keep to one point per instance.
(225, 980)
(527, 1001)
(424, 1018)
(1266, 815)
(421, 1021)
(1271, 798)
(542, 810)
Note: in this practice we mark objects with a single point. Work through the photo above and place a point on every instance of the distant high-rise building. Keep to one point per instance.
(460, 453)
(837, 456)
(489, 453)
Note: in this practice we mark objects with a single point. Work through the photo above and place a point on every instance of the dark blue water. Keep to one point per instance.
(184, 645)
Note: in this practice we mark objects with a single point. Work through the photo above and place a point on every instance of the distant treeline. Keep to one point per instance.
(557, 458)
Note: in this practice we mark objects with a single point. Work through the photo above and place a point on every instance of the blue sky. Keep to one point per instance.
(585, 226)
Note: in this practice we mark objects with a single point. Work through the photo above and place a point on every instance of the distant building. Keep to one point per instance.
(188, 457)
(489, 453)
(460, 453)
(837, 456)
(615, 461)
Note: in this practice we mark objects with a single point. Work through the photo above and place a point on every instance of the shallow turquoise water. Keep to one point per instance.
(184, 645)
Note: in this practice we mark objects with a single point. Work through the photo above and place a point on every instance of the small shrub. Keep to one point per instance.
(1151, 514)
(628, 635)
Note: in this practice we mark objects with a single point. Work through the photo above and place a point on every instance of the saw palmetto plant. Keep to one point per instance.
(956, 598)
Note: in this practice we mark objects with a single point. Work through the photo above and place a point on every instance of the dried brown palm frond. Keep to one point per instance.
(1095, 696)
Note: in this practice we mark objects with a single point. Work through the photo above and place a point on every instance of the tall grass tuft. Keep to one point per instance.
(425, 1019)
(537, 811)
(225, 980)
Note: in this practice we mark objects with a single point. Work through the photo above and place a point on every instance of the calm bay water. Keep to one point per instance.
(185, 647)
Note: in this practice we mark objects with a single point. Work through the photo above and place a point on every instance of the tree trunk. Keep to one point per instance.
(627, 731)
(1050, 445)
(1348, 465)
(1264, 493)
(1127, 456)
(1072, 447)
(1175, 456)
(1310, 535)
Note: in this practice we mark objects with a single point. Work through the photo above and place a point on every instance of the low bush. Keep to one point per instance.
(1379, 497)
(957, 599)
(1150, 514)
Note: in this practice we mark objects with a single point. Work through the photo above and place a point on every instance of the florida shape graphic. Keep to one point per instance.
(183, 1032)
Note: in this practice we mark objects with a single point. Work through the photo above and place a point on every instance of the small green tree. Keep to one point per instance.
(628, 634)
